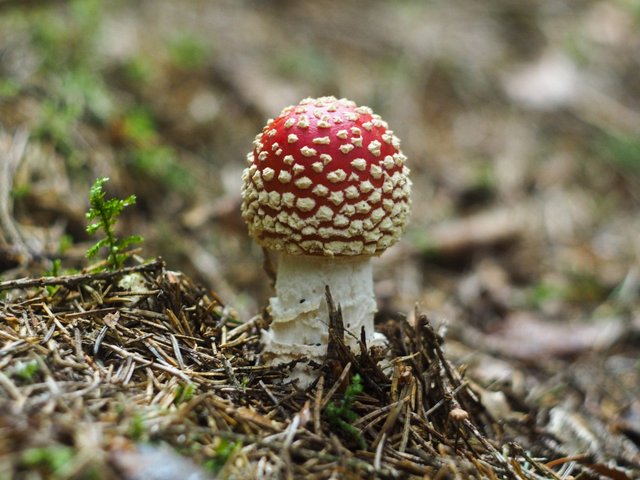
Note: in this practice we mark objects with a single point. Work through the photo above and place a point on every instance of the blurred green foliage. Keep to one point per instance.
(67, 42)
(634, 7)
(161, 162)
(307, 63)
(8, 88)
(139, 127)
(223, 451)
(137, 430)
(187, 51)
(28, 371)
(579, 288)
(76, 92)
(139, 69)
(148, 155)
(544, 292)
(49, 460)
(184, 393)
(623, 150)
(54, 271)
(69, 71)
(21, 191)
(73, 96)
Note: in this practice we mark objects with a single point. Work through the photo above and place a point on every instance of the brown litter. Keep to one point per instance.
(97, 381)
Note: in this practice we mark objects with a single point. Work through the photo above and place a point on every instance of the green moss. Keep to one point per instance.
(223, 451)
(187, 51)
(341, 415)
(67, 40)
(49, 460)
(308, 63)
(20, 191)
(72, 96)
(622, 150)
(8, 88)
(184, 393)
(137, 430)
(27, 371)
(544, 292)
(139, 70)
(580, 288)
(139, 127)
(160, 162)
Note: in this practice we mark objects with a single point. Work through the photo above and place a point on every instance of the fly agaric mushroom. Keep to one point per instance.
(327, 188)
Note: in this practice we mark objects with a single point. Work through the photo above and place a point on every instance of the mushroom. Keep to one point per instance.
(326, 187)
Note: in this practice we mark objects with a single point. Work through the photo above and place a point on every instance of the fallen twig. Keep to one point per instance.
(79, 278)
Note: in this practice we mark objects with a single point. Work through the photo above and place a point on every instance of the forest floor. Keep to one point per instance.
(512, 304)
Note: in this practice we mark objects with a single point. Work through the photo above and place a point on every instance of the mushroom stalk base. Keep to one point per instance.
(299, 330)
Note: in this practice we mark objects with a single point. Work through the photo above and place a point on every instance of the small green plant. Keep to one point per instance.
(184, 393)
(54, 271)
(139, 70)
(27, 371)
(50, 459)
(341, 415)
(106, 213)
(244, 382)
(223, 451)
(137, 430)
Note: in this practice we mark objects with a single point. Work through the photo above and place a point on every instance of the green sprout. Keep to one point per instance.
(27, 371)
(106, 213)
(341, 415)
(137, 429)
(223, 451)
(184, 393)
(54, 271)
(51, 459)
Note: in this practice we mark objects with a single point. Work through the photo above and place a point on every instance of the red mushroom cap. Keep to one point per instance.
(326, 178)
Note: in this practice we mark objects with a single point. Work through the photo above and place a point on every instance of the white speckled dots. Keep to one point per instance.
(326, 178)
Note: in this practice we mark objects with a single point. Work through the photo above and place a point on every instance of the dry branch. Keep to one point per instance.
(70, 281)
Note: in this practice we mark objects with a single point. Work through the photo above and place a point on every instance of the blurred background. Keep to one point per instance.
(520, 119)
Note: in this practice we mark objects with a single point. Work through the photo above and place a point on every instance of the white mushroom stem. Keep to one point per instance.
(300, 313)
